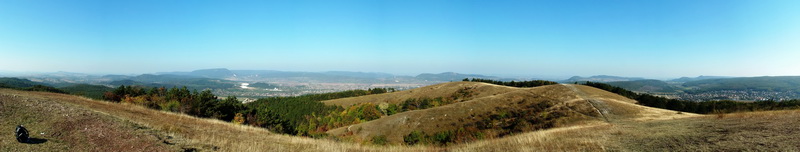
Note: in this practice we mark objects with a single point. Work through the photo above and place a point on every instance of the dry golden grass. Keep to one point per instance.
(581, 137)
(187, 132)
(456, 115)
(752, 131)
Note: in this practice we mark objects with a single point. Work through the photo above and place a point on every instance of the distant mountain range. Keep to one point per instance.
(222, 78)
(601, 78)
(330, 76)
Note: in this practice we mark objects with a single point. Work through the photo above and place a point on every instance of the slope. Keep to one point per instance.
(73, 123)
(551, 106)
(432, 91)
(66, 127)
(70, 123)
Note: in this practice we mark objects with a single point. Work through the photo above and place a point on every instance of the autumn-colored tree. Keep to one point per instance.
(238, 119)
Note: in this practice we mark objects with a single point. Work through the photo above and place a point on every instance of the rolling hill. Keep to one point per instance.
(566, 105)
(583, 119)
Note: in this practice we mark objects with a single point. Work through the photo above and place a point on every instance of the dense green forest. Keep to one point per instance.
(704, 107)
(534, 83)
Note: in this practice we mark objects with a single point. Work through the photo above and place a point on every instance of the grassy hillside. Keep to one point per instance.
(506, 110)
(79, 124)
(60, 126)
(752, 131)
(596, 120)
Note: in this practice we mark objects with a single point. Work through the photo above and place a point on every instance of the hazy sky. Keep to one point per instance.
(646, 38)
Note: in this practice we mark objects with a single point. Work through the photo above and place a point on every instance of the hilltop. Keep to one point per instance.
(557, 106)
(584, 119)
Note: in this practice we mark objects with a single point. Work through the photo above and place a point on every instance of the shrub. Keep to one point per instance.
(415, 137)
(443, 138)
(171, 106)
(392, 109)
(238, 119)
(379, 140)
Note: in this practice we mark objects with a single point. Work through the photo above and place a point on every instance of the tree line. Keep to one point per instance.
(703, 107)
(182, 100)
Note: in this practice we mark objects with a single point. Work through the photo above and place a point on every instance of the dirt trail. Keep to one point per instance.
(598, 105)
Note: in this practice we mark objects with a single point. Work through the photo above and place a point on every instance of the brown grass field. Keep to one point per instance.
(607, 122)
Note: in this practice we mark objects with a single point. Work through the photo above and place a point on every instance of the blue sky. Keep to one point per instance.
(658, 39)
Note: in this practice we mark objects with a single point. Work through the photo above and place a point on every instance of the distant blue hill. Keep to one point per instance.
(687, 79)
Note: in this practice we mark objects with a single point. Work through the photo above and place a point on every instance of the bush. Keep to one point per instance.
(415, 137)
(238, 119)
(379, 140)
(392, 109)
(442, 138)
(171, 106)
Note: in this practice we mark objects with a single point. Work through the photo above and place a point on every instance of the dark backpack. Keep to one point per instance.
(22, 134)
